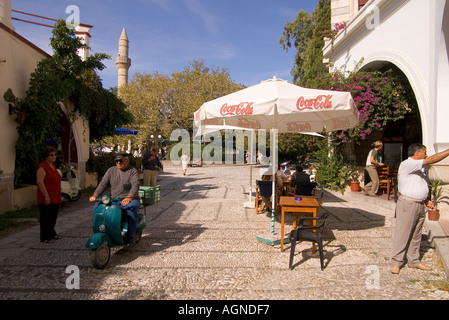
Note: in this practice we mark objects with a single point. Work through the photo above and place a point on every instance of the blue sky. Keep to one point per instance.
(165, 35)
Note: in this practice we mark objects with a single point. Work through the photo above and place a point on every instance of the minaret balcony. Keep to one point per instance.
(123, 60)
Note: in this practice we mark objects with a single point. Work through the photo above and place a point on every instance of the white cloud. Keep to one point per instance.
(164, 4)
(210, 20)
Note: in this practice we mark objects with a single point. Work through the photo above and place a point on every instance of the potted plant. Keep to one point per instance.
(437, 197)
(355, 183)
(351, 176)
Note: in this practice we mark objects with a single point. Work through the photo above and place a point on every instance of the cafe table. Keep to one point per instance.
(298, 205)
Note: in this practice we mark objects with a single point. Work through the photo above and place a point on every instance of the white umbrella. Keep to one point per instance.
(280, 106)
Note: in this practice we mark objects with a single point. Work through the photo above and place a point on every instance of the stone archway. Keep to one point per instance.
(67, 136)
(381, 60)
(442, 81)
(400, 133)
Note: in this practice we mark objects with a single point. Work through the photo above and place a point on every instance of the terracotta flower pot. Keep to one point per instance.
(355, 186)
(433, 215)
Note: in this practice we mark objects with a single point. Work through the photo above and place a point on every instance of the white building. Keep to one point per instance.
(414, 36)
(18, 59)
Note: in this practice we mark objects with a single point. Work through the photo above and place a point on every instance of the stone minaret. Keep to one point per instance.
(5, 13)
(122, 61)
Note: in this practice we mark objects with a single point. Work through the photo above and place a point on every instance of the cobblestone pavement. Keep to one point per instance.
(200, 243)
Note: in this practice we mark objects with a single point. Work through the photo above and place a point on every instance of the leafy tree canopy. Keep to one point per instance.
(163, 103)
(63, 78)
(305, 34)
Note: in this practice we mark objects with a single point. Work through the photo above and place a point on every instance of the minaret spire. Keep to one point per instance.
(123, 62)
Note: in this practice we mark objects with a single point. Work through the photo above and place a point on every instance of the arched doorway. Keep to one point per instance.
(397, 135)
(67, 137)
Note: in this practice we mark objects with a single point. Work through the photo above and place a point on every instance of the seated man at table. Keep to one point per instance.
(301, 181)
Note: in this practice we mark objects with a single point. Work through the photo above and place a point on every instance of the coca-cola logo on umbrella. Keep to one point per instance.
(243, 108)
(341, 123)
(320, 102)
(299, 127)
(245, 123)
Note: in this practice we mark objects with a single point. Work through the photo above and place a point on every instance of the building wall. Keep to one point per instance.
(18, 59)
(413, 35)
(343, 10)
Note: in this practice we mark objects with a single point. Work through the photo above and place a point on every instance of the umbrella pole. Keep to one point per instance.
(251, 182)
(273, 238)
(273, 163)
(250, 203)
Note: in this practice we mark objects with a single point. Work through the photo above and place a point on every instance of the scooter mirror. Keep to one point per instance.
(127, 186)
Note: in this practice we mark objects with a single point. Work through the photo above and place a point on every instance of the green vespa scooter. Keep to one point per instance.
(110, 226)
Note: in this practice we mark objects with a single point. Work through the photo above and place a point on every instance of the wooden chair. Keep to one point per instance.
(289, 191)
(386, 180)
(263, 189)
(319, 196)
(319, 199)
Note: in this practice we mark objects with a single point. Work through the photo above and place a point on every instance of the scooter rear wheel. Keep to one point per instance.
(77, 196)
(100, 256)
(138, 237)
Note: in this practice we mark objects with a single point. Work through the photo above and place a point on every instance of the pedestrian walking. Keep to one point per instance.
(372, 162)
(414, 196)
(184, 163)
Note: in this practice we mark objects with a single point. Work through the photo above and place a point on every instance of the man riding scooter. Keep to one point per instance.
(124, 183)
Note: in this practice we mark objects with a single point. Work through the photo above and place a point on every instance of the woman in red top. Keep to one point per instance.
(48, 195)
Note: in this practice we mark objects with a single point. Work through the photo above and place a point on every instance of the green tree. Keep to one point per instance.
(162, 103)
(333, 172)
(296, 147)
(297, 33)
(63, 78)
(313, 67)
(305, 33)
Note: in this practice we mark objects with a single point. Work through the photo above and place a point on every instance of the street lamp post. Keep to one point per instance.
(156, 141)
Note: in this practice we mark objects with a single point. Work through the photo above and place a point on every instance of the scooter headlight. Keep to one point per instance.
(106, 199)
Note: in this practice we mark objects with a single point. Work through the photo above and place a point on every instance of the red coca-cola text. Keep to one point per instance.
(320, 102)
(242, 108)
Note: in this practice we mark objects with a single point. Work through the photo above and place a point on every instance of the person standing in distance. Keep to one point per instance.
(48, 195)
(152, 165)
(414, 196)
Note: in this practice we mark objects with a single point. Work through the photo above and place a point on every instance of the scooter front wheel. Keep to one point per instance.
(100, 256)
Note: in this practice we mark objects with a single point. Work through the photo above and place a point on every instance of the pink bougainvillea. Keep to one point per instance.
(380, 97)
